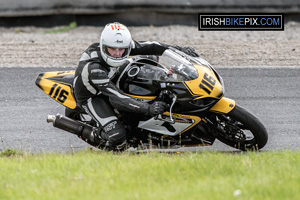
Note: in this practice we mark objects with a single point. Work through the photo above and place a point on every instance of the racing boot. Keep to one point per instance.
(94, 138)
(100, 137)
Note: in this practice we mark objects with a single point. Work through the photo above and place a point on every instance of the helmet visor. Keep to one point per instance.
(116, 53)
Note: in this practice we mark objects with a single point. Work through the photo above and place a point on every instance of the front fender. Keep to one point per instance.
(224, 105)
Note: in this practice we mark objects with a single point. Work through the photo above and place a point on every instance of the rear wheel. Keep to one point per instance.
(241, 129)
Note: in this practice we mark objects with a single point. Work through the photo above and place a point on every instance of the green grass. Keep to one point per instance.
(98, 175)
(63, 29)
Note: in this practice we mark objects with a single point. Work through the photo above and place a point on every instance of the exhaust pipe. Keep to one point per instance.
(78, 128)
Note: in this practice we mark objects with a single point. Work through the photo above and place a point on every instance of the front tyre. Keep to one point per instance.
(241, 129)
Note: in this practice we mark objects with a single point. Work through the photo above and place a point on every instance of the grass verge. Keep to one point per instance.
(98, 175)
(63, 29)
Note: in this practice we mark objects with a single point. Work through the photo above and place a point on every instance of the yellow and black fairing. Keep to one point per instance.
(208, 91)
(196, 95)
(194, 98)
(58, 85)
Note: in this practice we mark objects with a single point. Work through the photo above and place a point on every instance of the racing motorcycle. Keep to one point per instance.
(198, 111)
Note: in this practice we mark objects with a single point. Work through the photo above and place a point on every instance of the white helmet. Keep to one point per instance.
(115, 35)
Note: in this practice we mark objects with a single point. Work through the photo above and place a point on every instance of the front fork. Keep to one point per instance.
(223, 106)
(210, 125)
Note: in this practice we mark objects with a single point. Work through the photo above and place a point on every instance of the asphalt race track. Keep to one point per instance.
(272, 94)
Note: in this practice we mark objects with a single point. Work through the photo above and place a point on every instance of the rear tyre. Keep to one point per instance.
(241, 129)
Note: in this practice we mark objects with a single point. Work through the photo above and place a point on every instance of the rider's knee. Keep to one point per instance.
(116, 133)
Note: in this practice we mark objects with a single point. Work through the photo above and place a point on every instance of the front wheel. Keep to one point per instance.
(241, 129)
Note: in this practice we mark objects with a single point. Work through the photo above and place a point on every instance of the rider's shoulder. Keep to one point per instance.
(97, 65)
(93, 47)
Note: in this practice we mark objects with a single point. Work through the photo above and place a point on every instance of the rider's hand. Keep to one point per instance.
(157, 108)
(188, 50)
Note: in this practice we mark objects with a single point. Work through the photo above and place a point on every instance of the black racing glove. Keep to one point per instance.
(188, 50)
(157, 108)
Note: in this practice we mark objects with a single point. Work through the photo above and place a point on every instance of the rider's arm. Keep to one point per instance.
(148, 48)
(157, 48)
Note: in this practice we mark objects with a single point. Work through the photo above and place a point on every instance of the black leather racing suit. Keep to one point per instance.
(94, 90)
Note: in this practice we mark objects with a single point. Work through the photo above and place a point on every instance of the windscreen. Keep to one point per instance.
(171, 68)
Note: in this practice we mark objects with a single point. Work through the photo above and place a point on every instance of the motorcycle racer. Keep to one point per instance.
(98, 95)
